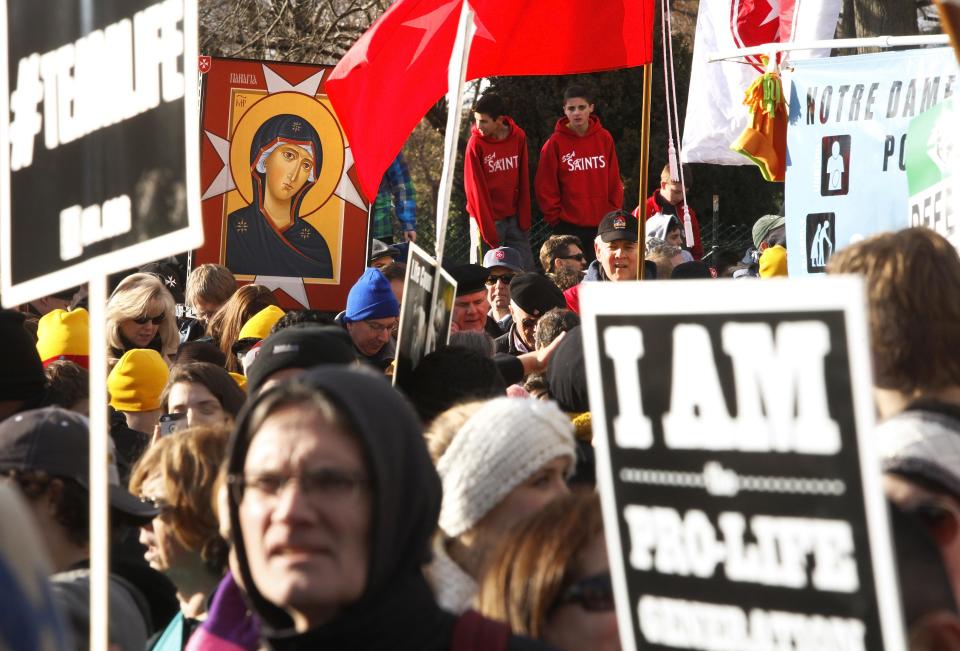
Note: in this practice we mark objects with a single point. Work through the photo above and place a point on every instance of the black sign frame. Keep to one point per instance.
(125, 185)
(701, 483)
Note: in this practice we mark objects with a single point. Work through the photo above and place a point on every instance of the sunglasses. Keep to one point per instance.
(579, 257)
(155, 320)
(505, 279)
(593, 593)
(529, 322)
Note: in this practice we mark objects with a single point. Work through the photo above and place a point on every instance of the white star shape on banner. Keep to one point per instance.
(774, 12)
(223, 182)
(293, 286)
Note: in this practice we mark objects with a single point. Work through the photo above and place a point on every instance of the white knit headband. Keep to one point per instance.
(496, 450)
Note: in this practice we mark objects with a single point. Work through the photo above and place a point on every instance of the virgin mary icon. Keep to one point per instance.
(269, 236)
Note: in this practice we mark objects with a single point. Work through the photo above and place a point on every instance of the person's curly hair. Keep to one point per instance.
(71, 501)
(913, 284)
(188, 461)
(67, 383)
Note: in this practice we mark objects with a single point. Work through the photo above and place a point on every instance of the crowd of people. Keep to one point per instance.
(270, 487)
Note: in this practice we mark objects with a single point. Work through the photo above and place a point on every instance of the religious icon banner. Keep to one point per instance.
(281, 206)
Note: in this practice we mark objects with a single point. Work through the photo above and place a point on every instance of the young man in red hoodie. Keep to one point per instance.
(578, 180)
(496, 178)
(668, 199)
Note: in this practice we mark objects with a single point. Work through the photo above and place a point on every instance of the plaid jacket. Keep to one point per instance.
(395, 196)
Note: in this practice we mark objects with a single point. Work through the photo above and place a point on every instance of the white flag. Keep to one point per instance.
(716, 114)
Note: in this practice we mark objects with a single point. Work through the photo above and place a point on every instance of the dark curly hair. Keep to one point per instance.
(70, 500)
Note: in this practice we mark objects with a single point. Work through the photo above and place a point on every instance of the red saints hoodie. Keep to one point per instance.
(578, 180)
(496, 178)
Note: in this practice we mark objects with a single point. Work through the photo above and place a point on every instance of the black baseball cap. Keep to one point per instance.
(300, 346)
(57, 441)
(618, 225)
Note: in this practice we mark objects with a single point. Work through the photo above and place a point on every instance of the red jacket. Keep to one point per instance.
(496, 178)
(578, 180)
(656, 203)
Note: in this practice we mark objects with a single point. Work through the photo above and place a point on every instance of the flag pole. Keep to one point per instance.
(456, 76)
(644, 168)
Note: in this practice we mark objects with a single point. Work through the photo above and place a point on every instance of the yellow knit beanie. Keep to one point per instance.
(138, 379)
(64, 335)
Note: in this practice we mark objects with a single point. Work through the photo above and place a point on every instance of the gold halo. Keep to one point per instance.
(318, 116)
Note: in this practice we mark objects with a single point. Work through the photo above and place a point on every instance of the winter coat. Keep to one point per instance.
(496, 179)
(578, 178)
(397, 610)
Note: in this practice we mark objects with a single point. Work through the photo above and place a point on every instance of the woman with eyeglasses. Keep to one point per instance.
(178, 474)
(141, 313)
(332, 501)
(550, 579)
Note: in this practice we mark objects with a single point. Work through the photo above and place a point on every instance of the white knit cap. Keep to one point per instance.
(496, 450)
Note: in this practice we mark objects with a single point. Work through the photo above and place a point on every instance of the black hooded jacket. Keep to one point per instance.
(397, 610)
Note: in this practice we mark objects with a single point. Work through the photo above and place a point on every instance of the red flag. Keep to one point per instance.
(551, 37)
(398, 69)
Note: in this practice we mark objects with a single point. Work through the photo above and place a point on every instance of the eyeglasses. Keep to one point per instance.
(318, 485)
(164, 507)
(579, 257)
(593, 593)
(155, 320)
(529, 322)
(379, 328)
(503, 278)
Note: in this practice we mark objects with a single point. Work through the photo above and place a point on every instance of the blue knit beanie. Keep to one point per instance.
(371, 298)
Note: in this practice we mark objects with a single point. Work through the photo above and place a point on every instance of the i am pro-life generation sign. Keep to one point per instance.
(100, 150)
(742, 502)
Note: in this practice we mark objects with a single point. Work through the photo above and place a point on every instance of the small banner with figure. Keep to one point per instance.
(741, 494)
(424, 319)
(848, 119)
(281, 206)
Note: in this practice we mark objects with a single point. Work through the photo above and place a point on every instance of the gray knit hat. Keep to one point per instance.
(503, 444)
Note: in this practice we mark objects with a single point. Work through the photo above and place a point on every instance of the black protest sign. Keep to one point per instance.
(742, 501)
(99, 168)
(424, 319)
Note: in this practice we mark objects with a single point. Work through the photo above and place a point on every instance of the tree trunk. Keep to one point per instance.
(884, 18)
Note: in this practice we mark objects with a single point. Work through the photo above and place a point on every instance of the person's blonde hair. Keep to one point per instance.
(533, 566)
(188, 462)
(443, 428)
(225, 325)
(210, 282)
(139, 295)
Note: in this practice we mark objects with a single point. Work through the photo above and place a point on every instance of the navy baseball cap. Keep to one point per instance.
(503, 256)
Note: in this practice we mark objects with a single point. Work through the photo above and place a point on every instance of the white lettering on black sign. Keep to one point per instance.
(737, 482)
(103, 78)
